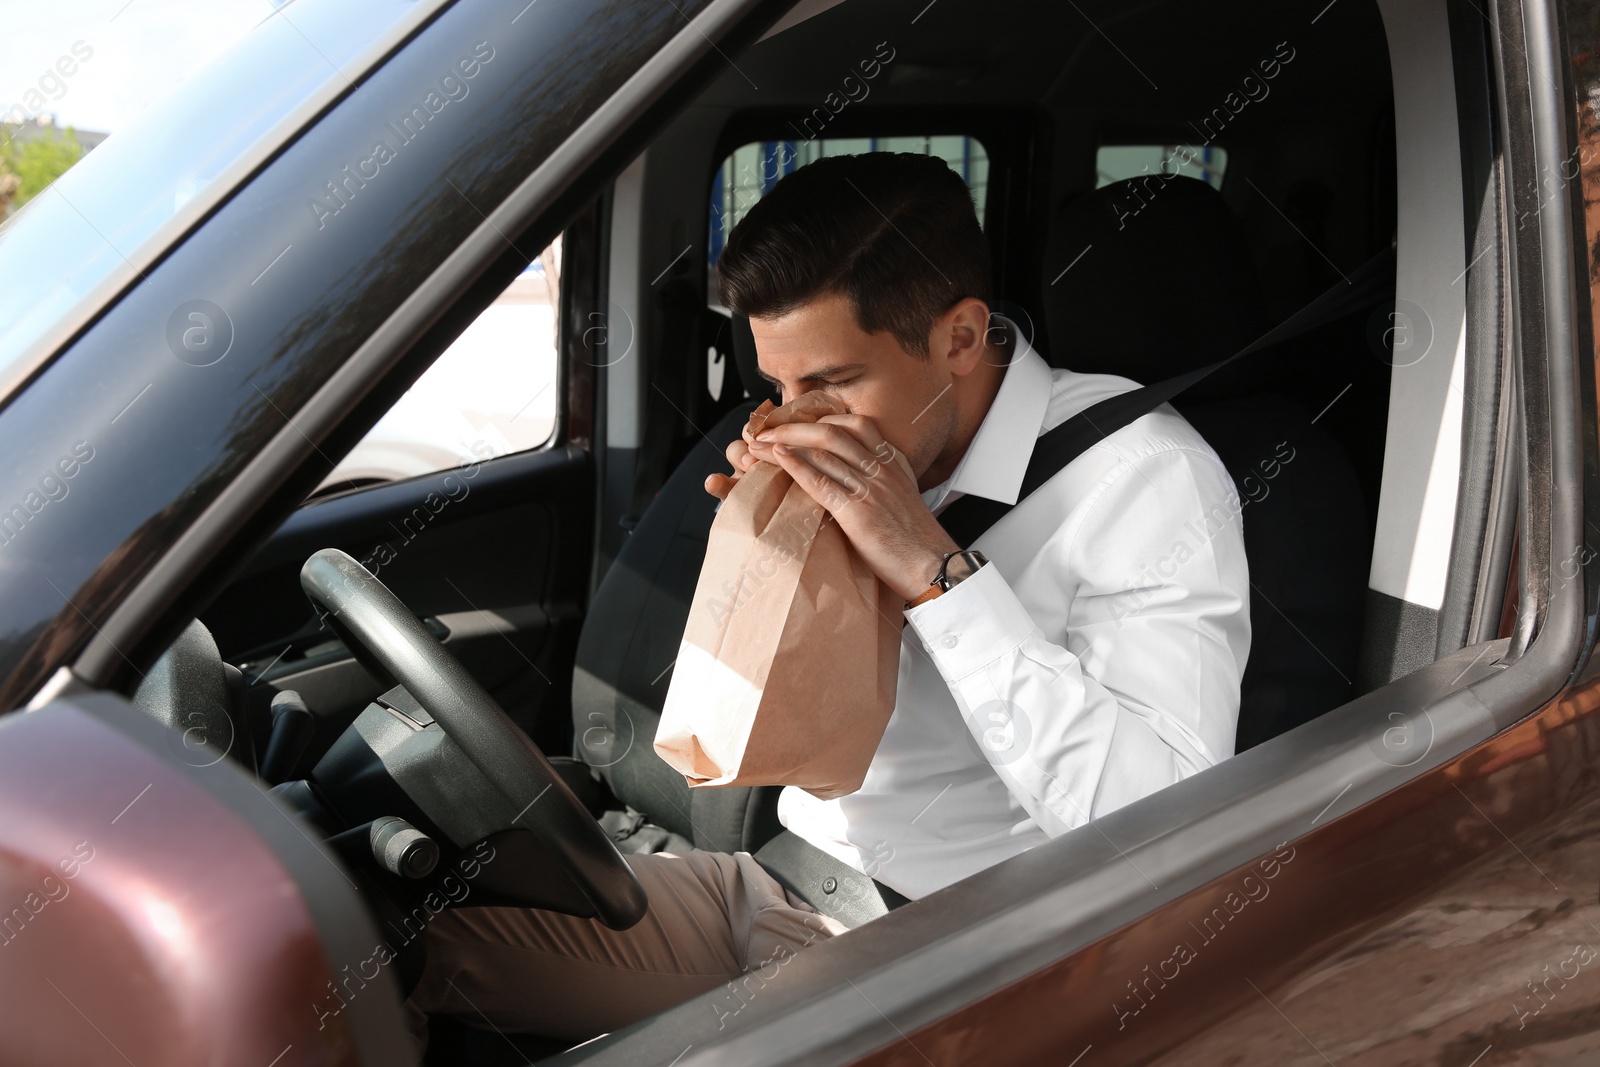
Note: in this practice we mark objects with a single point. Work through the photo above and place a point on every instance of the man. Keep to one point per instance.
(1090, 655)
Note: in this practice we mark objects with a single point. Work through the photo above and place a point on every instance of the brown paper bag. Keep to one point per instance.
(790, 658)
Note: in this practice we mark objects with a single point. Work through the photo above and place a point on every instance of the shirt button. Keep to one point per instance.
(950, 640)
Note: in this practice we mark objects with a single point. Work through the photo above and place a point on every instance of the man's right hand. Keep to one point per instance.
(719, 485)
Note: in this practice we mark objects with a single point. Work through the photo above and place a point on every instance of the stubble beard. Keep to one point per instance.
(941, 426)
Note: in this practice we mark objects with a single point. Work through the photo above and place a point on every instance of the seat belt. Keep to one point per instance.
(828, 884)
(968, 518)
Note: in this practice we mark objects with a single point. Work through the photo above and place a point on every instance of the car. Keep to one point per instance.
(256, 741)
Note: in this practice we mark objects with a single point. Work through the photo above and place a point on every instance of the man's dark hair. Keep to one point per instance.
(895, 233)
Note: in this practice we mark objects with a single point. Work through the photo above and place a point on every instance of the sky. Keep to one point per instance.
(138, 52)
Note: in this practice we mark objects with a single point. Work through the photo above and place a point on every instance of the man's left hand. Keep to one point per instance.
(867, 485)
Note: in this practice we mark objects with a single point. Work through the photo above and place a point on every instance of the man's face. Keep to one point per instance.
(820, 346)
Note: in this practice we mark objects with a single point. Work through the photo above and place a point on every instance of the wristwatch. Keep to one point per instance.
(957, 568)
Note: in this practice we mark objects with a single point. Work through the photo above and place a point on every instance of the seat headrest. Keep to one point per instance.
(744, 356)
(1164, 284)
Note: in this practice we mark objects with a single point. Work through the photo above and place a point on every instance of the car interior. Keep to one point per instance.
(1161, 185)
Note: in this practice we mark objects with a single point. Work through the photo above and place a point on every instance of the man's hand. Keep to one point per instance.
(738, 453)
(846, 466)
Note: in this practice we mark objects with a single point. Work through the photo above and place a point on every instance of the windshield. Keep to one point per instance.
(103, 222)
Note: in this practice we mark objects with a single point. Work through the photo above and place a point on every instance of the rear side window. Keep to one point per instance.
(1115, 162)
(746, 175)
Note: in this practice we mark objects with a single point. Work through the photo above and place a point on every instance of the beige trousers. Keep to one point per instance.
(715, 919)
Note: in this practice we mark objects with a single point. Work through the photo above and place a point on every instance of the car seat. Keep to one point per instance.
(1161, 282)
(627, 647)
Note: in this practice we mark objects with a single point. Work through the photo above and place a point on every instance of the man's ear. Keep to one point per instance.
(960, 336)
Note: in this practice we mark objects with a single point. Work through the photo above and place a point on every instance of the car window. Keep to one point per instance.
(753, 169)
(491, 393)
(1115, 162)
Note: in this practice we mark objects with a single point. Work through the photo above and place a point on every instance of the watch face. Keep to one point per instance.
(962, 565)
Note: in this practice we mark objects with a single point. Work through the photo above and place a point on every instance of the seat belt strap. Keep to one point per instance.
(970, 517)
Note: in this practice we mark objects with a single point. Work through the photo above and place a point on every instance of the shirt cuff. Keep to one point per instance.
(973, 624)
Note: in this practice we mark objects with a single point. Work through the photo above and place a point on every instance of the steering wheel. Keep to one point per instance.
(379, 628)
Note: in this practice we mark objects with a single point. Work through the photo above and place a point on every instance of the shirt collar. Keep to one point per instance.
(995, 462)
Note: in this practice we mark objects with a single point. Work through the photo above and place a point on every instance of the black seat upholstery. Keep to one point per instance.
(629, 641)
(1167, 285)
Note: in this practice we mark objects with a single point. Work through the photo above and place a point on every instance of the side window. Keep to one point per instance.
(491, 393)
(1114, 162)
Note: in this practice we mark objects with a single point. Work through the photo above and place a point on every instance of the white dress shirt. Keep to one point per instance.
(1095, 659)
